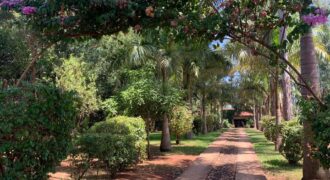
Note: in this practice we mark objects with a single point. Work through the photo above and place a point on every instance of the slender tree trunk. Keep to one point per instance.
(273, 96)
(189, 96)
(221, 114)
(259, 118)
(287, 97)
(148, 135)
(278, 140)
(255, 116)
(286, 82)
(310, 72)
(203, 106)
(177, 139)
(165, 144)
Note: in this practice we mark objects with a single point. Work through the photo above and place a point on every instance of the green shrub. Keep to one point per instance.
(181, 122)
(321, 127)
(249, 123)
(213, 122)
(116, 143)
(36, 122)
(291, 147)
(226, 124)
(269, 127)
(197, 128)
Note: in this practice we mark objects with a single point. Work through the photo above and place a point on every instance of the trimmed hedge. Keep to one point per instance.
(116, 143)
(36, 122)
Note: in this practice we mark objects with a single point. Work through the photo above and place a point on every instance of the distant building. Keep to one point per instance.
(241, 119)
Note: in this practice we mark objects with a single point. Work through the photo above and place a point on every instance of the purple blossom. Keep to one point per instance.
(28, 10)
(319, 16)
(10, 3)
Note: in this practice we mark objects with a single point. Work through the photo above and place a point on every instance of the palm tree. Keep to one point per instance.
(310, 72)
(213, 67)
(286, 79)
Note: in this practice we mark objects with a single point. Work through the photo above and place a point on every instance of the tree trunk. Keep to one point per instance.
(165, 144)
(286, 82)
(287, 97)
(273, 97)
(259, 118)
(278, 140)
(310, 72)
(221, 114)
(187, 87)
(177, 139)
(203, 106)
(148, 135)
(255, 116)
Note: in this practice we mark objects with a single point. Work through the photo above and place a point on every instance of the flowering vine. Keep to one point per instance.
(26, 10)
(318, 17)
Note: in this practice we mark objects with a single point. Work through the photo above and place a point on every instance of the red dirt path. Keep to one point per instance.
(162, 167)
(166, 167)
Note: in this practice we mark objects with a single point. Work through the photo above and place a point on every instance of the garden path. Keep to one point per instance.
(231, 156)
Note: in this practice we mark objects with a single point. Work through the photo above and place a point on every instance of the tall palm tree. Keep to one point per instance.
(310, 72)
(213, 67)
(286, 79)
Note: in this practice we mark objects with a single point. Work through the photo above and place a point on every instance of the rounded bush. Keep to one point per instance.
(117, 143)
(291, 147)
(36, 122)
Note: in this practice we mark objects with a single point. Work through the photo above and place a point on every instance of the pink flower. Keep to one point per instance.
(10, 3)
(319, 16)
(28, 10)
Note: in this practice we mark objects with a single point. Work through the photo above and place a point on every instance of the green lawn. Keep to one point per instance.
(272, 160)
(193, 146)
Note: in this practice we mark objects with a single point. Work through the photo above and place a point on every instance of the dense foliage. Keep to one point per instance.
(116, 144)
(73, 75)
(291, 147)
(319, 116)
(70, 19)
(269, 128)
(181, 121)
(36, 122)
(13, 54)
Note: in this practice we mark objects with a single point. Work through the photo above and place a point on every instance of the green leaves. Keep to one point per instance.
(74, 75)
(36, 122)
(117, 142)
(181, 120)
(144, 94)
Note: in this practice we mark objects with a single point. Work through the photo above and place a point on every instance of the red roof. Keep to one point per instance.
(245, 114)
